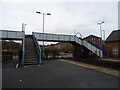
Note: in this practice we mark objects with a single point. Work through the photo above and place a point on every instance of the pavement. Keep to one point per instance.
(56, 74)
(94, 67)
(110, 59)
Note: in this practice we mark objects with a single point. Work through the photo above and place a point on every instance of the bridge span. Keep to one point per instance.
(80, 46)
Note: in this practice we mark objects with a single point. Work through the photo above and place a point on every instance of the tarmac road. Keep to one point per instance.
(56, 74)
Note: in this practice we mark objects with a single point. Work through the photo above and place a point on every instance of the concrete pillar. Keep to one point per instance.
(77, 54)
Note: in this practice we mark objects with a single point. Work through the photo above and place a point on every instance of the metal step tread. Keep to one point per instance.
(31, 61)
(32, 48)
(30, 52)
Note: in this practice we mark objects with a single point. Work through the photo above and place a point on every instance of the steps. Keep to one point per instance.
(105, 52)
(31, 57)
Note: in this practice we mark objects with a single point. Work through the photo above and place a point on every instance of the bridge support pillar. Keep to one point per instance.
(78, 52)
(87, 54)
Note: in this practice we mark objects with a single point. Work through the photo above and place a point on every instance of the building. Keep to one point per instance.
(93, 39)
(97, 42)
(62, 46)
(112, 44)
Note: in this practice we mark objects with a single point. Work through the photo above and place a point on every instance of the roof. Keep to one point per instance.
(91, 36)
(114, 36)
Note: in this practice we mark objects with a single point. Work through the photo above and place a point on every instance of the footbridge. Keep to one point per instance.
(67, 38)
(31, 50)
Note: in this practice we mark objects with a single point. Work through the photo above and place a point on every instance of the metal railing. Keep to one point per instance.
(53, 37)
(68, 38)
(105, 52)
(38, 50)
(92, 48)
(15, 35)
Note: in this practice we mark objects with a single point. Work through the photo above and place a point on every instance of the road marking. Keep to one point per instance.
(93, 67)
(20, 80)
(25, 66)
(39, 65)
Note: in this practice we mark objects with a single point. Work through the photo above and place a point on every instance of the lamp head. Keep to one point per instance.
(103, 22)
(48, 14)
(38, 12)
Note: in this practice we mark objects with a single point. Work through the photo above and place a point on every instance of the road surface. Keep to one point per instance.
(56, 74)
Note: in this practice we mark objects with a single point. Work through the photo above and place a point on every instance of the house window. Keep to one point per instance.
(115, 51)
(92, 38)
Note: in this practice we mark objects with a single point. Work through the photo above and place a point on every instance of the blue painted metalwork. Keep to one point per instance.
(67, 38)
(38, 50)
(105, 51)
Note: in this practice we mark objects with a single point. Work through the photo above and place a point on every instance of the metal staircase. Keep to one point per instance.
(31, 56)
(105, 51)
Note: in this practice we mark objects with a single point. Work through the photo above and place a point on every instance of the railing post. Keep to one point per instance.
(101, 54)
(6, 34)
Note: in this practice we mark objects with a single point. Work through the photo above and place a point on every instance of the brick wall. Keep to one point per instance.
(93, 39)
(113, 48)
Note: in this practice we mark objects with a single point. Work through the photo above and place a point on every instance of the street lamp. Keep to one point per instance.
(23, 27)
(103, 34)
(100, 23)
(23, 42)
(74, 32)
(43, 24)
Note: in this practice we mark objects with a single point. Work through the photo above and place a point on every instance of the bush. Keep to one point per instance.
(6, 56)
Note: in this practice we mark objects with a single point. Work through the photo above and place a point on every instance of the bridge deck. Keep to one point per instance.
(8, 35)
(56, 37)
(16, 35)
(67, 38)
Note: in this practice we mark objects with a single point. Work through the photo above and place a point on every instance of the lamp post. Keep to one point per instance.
(74, 32)
(43, 24)
(103, 38)
(23, 42)
(23, 27)
(100, 23)
(103, 34)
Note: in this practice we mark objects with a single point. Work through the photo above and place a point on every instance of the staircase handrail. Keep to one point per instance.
(105, 51)
(38, 49)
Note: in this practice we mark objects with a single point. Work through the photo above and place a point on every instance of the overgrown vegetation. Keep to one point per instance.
(9, 49)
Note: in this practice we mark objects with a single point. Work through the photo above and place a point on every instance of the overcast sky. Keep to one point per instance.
(66, 16)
